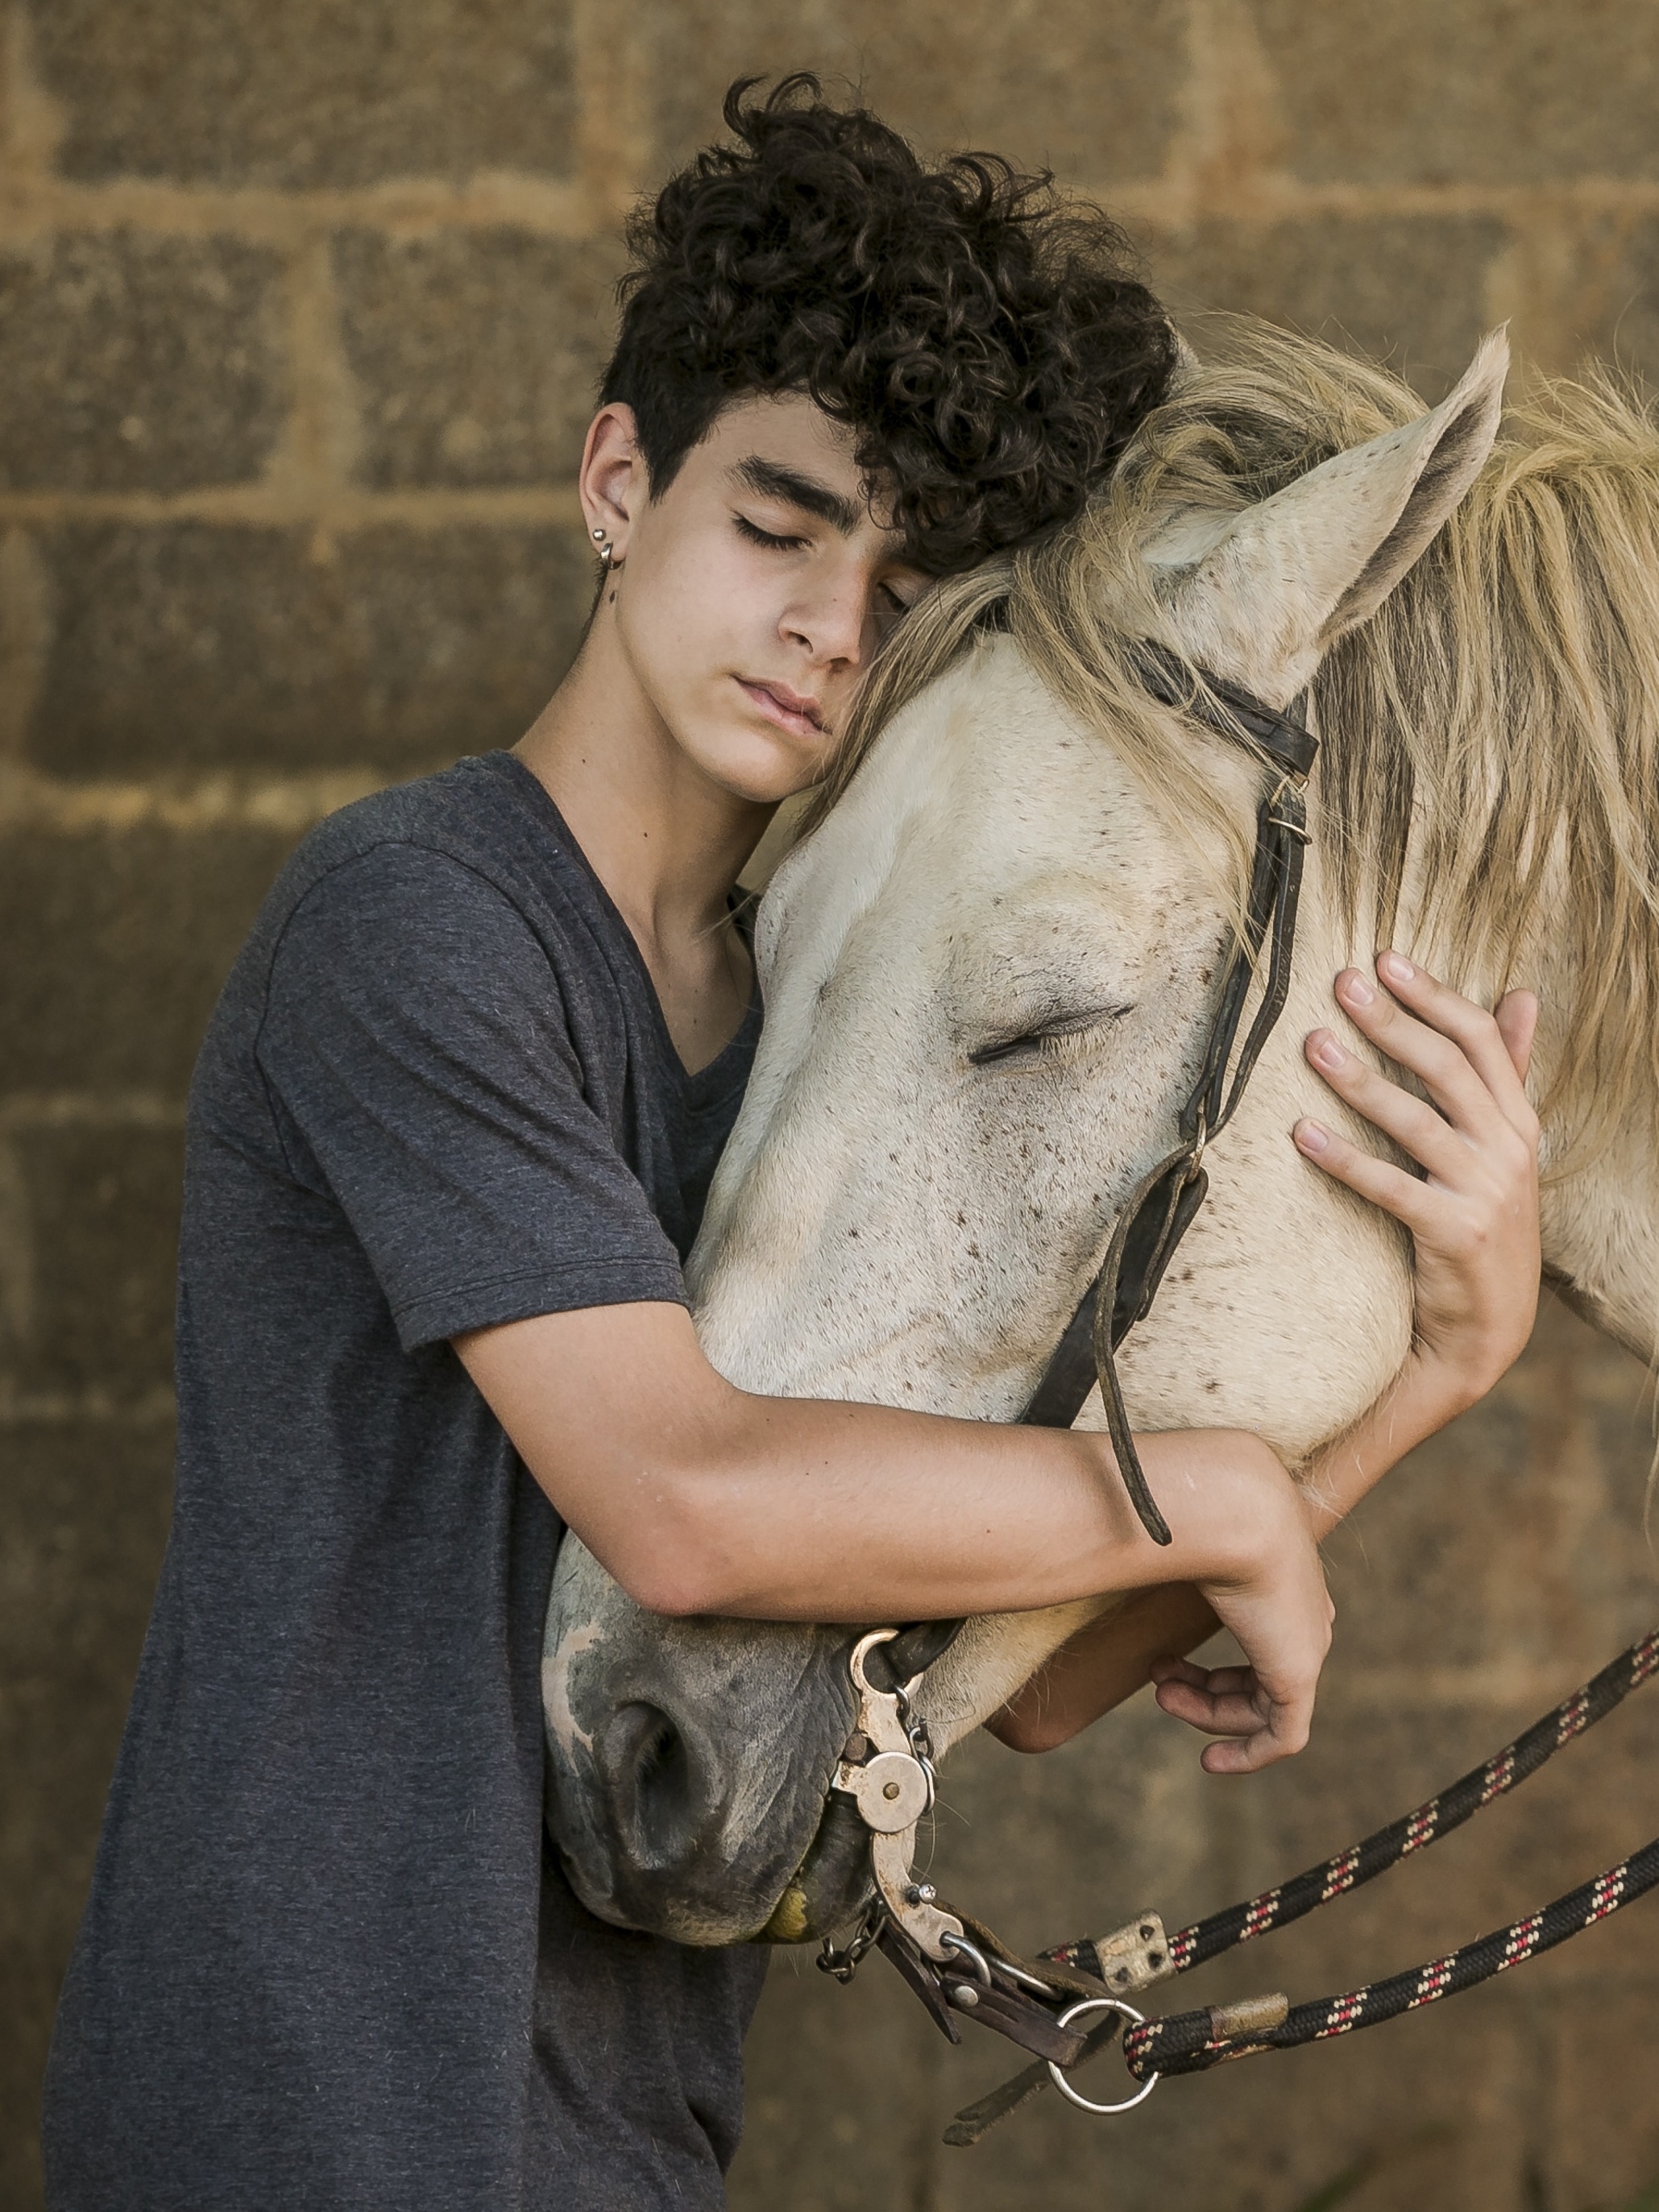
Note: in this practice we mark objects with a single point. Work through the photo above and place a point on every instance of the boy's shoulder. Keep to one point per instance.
(484, 827)
(462, 866)
(488, 812)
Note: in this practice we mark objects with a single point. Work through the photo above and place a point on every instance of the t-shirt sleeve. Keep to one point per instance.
(415, 1041)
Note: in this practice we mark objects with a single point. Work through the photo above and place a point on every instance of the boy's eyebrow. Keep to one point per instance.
(773, 481)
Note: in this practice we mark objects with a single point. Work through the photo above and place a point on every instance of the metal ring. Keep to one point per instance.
(866, 1644)
(1076, 2012)
(976, 1957)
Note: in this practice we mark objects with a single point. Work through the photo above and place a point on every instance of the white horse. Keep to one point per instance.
(1026, 852)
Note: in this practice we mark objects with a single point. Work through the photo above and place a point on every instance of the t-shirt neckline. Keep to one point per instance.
(739, 1045)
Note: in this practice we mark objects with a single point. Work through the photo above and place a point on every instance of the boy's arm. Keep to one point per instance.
(699, 1497)
(1474, 1225)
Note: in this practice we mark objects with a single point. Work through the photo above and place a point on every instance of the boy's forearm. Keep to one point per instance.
(701, 1498)
(1424, 1396)
(857, 1511)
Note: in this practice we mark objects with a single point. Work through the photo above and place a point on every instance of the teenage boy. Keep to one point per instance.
(449, 1138)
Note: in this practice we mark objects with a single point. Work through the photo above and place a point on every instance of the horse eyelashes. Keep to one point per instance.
(1051, 1041)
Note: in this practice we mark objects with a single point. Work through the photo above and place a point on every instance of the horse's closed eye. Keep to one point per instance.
(1047, 1042)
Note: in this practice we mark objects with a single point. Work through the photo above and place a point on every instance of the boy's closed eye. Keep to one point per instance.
(893, 601)
(756, 536)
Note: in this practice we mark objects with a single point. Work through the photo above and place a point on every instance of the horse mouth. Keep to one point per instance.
(831, 1885)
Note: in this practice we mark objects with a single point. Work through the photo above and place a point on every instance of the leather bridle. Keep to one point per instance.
(1163, 1205)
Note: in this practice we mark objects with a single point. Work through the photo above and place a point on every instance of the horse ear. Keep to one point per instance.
(1268, 593)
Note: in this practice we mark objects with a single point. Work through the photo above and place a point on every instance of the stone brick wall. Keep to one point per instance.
(299, 305)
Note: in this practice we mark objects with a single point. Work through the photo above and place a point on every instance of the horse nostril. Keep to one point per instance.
(652, 1781)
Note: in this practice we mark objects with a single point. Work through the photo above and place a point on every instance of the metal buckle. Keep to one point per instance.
(1201, 1139)
(1297, 825)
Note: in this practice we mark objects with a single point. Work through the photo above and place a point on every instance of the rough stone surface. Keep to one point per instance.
(1587, 2043)
(1091, 89)
(195, 646)
(1419, 92)
(138, 364)
(143, 927)
(1622, 321)
(1409, 290)
(309, 93)
(477, 357)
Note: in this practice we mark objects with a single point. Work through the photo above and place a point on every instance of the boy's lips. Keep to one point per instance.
(791, 710)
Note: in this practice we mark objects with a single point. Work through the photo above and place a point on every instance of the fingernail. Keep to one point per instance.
(1357, 991)
(1394, 968)
(1311, 1137)
(1327, 1051)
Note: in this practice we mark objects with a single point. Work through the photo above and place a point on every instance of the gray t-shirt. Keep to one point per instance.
(329, 1961)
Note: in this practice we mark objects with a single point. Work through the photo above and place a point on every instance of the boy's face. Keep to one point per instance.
(748, 599)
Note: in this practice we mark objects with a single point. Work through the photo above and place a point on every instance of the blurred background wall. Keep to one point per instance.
(301, 301)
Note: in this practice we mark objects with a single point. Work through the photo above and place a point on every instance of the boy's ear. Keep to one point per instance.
(612, 481)
(1262, 595)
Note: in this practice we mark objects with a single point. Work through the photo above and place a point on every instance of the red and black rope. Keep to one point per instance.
(1185, 2043)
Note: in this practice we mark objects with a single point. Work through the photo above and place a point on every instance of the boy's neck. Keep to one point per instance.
(664, 839)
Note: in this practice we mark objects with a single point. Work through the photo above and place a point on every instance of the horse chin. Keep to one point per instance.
(830, 1887)
(832, 1883)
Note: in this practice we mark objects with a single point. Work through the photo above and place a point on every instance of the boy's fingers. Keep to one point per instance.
(1251, 1754)
(1413, 1124)
(1456, 1076)
(1173, 1669)
(1468, 1026)
(1380, 1181)
(1228, 1714)
(1516, 1017)
(1440, 1036)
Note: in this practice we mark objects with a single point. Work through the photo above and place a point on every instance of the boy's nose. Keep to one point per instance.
(832, 629)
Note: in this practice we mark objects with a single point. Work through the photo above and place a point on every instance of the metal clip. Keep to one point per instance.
(891, 1782)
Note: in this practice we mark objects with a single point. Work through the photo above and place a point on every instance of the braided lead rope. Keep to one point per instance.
(1185, 2043)
(1362, 1862)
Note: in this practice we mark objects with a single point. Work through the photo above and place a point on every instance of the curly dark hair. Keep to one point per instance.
(987, 340)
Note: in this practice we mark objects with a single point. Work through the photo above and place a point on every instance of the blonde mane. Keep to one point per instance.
(1501, 711)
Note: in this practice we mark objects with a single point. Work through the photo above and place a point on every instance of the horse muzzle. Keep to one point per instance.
(689, 1764)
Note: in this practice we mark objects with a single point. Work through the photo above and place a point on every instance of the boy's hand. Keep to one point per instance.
(1271, 1594)
(1474, 1216)
(1232, 1702)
